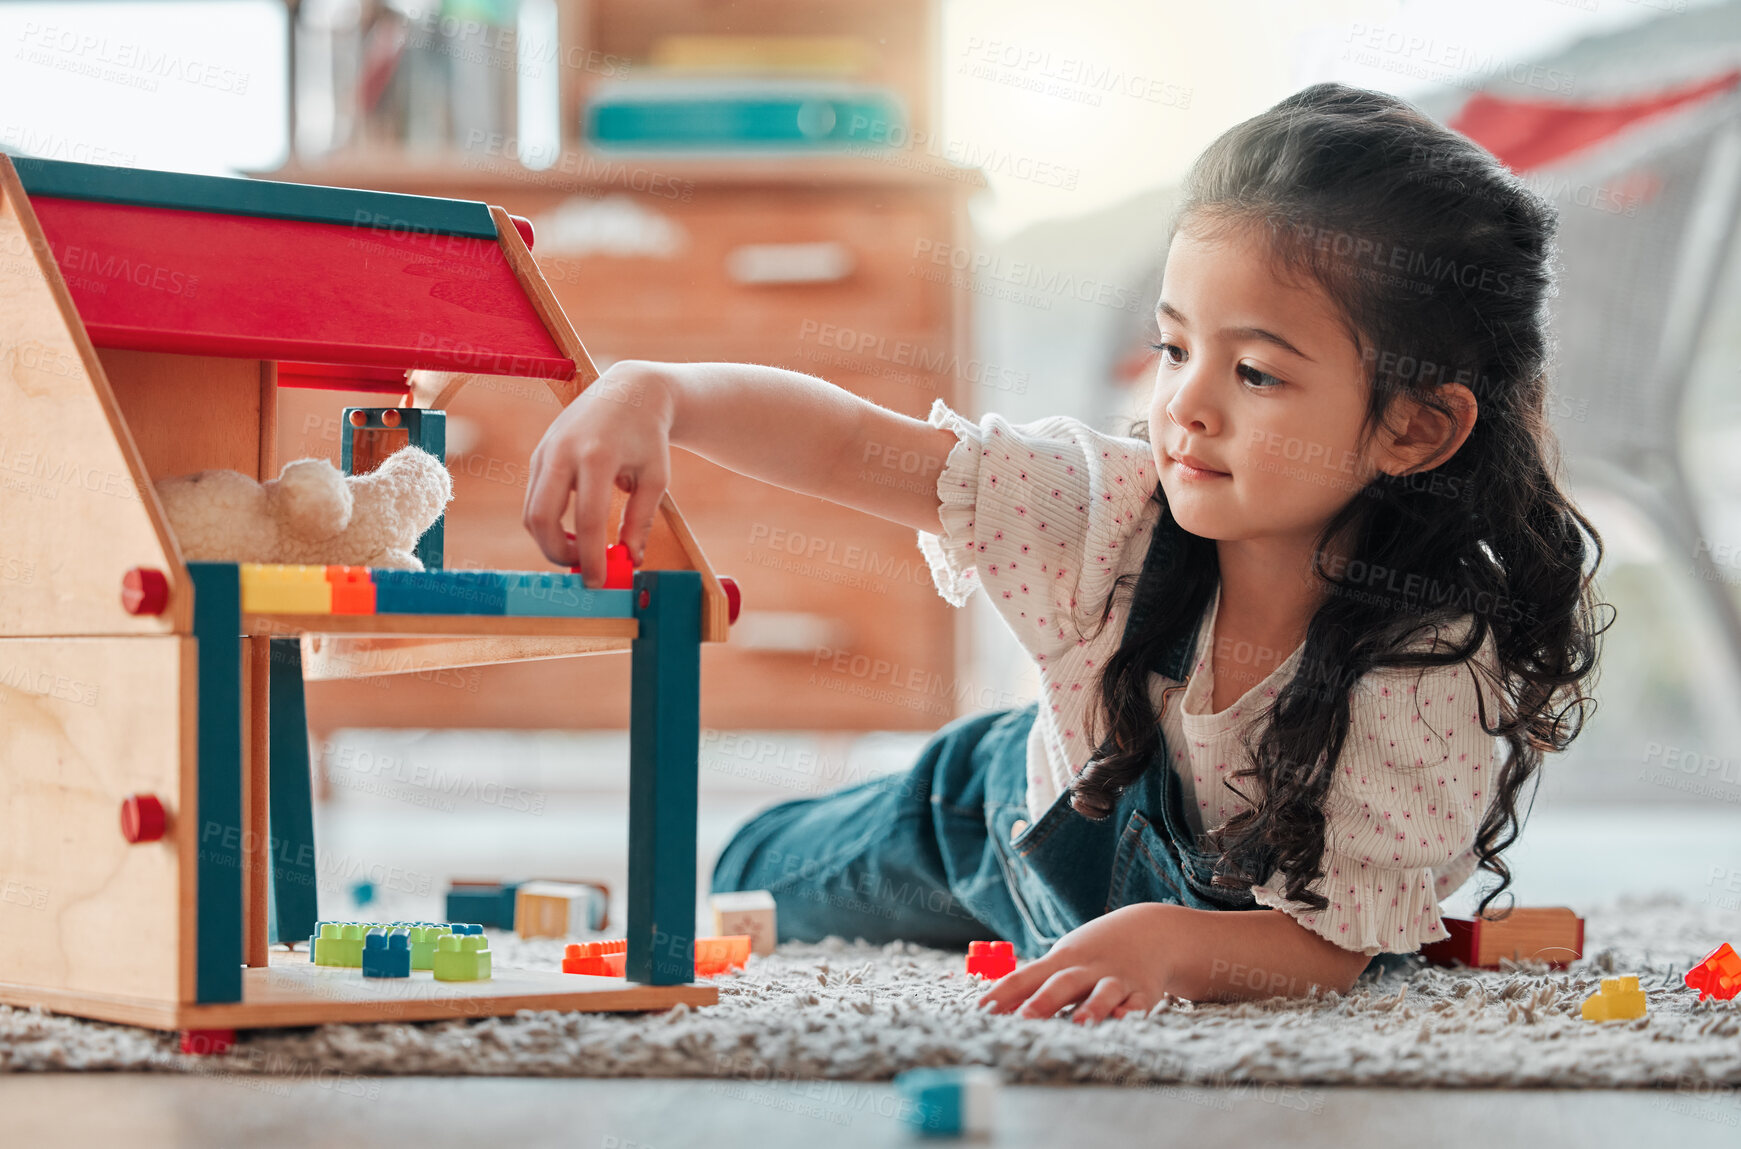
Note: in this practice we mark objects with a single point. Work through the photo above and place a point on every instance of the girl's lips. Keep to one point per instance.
(1190, 472)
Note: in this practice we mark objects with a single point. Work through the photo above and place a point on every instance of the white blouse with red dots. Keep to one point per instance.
(1044, 516)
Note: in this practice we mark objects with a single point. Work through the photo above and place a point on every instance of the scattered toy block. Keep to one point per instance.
(423, 943)
(949, 1102)
(1553, 934)
(339, 944)
(387, 955)
(746, 912)
(440, 592)
(619, 568)
(487, 903)
(546, 909)
(462, 957)
(1717, 975)
(991, 959)
(271, 588)
(353, 591)
(565, 596)
(599, 959)
(207, 1042)
(716, 955)
(1618, 999)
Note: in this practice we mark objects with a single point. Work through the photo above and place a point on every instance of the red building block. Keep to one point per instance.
(600, 959)
(990, 959)
(1718, 975)
(619, 568)
(207, 1042)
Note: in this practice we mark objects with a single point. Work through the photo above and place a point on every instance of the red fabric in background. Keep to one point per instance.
(1528, 134)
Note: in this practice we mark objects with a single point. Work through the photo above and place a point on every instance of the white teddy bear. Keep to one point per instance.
(311, 513)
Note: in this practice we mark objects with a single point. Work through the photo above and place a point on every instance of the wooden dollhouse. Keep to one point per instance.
(154, 776)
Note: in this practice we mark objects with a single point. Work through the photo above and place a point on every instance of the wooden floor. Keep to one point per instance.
(150, 1110)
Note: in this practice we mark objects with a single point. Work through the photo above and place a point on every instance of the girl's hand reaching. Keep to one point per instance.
(615, 435)
(1108, 967)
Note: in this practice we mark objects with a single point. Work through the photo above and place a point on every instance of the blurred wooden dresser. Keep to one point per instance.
(846, 268)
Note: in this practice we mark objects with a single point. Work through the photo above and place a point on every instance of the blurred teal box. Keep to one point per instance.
(698, 115)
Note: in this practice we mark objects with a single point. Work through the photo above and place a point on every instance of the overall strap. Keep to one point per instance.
(1165, 544)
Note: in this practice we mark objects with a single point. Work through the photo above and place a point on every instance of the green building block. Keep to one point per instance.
(423, 942)
(462, 958)
(339, 944)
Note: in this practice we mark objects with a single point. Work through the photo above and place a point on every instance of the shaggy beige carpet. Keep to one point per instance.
(838, 1010)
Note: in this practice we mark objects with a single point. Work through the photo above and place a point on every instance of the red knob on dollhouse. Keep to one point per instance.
(142, 818)
(144, 591)
(524, 227)
(734, 597)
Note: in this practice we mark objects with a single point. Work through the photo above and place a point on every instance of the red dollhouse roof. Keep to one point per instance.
(336, 284)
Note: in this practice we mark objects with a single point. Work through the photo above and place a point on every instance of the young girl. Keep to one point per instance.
(1299, 651)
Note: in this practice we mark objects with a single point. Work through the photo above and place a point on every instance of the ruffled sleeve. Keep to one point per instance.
(1038, 515)
(1411, 789)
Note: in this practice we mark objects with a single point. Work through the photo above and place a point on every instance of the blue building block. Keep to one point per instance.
(462, 929)
(552, 595)
(951, 1102)
(387, 955)
(363, 892)
(440, 592)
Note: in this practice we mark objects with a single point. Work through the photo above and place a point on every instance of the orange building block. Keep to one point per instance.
(600, 959)
(1718, 975)
(990, 959)
(353, 591)
(716, 955)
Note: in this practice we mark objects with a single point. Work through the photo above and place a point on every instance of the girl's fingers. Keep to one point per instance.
(1109, 993)
(595, 477)
(1013, 988)
(1138, 1003)
(546, 502)
(638, 513)
(1062, 988)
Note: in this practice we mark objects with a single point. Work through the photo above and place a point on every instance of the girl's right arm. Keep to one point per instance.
(793, 430)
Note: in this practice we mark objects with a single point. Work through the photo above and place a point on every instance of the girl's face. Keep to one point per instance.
(1259, 398)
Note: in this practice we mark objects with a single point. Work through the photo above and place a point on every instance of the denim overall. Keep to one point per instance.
(944, 854)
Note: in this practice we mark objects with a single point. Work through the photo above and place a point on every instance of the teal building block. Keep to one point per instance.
(462, 958)
(387, 955)
(440, 592)
(552, 595)
(950, 1102)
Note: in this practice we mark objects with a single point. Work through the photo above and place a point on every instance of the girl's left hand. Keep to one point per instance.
(1113, 965)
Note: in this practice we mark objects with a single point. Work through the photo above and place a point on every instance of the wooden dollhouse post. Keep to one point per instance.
(664, 744)
(290, 808)
(217, 627)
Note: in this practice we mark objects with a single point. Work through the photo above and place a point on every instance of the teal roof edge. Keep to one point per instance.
(231, 195)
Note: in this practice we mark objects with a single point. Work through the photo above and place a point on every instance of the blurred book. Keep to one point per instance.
(842, 57)
(742, 114)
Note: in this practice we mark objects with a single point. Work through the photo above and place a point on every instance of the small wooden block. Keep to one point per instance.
(746, 912)
(1553, 934)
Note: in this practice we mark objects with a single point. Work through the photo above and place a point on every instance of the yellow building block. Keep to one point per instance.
(1619, 999)
(269, 588)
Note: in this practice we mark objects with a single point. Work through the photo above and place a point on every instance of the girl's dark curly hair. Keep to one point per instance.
(1440, 261)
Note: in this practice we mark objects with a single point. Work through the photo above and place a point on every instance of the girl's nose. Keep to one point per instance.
(1192, 407)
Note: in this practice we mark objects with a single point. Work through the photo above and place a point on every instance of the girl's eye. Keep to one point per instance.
(1262, 380)
(1165, 347)
(1259, 380)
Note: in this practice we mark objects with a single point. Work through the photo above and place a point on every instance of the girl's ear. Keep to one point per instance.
(1427, 437)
